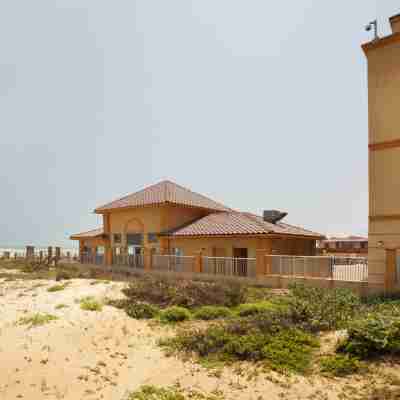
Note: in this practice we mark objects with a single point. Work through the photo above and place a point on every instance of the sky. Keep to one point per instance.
(257, 104)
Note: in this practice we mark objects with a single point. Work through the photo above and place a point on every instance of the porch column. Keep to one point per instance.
(390, 270)
(164, 245)
(198, 262)
(107, 255)
(261, 262)
(147, 258)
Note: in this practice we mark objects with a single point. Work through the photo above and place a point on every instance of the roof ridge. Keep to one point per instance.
(254, 218)
(165, 191)
(130, 194)
(197, 194)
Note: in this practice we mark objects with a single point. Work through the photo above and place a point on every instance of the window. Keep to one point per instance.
(177, 252)
(152, 237)
(117, 238)
(134, 239)
(100, 250)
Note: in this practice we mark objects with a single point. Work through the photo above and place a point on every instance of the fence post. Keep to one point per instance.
(198, 262)
(58, 256)
(390, 270)
(261, 265)
(147, 258)
(41, 256)
(49, 254)
(30, 252)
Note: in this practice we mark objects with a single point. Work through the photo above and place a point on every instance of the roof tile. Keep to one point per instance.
(238, 223)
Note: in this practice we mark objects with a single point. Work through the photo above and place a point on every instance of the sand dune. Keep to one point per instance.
(103, 355)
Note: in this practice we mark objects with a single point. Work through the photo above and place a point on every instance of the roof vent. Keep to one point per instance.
(273, 216)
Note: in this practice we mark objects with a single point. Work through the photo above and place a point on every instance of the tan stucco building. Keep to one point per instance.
(383, 56)
(167, 218)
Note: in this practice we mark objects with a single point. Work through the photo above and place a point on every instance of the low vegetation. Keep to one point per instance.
(37, 319)
(90, 304)
(372, 336)
(150, 392)
(175, 314)
(208, 313)
(60, 306)
(248, 309)
(340, 365)
(165, 291)
(141, 310)
(57, 288)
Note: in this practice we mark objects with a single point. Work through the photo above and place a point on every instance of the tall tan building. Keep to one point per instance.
(383, 56)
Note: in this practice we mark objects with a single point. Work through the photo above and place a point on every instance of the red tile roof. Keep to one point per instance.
(161, 193)
(89, 234)
(238, 223)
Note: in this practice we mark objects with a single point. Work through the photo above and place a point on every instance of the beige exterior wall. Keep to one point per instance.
(146, 220)
(224, 246)
(384, 151)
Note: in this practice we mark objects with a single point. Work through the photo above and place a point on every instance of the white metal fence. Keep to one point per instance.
(337, 268)
(229, 266)
(173, 263)
(129, 260)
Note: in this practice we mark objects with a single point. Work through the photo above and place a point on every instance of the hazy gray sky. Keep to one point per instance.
(258, 104)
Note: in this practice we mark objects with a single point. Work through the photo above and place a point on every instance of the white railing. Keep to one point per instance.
(90, 258)
(337, 268)
(129, 260)
(229, 266)
(173, 263)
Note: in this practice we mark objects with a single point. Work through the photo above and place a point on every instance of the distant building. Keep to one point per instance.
(346, 246)
(383, 56)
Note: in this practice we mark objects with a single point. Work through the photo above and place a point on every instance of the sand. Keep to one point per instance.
(104, 355)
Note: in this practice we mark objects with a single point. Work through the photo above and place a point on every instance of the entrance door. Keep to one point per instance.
(240, 255)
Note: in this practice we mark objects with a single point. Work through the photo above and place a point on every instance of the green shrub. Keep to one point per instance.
(372, 336)
(321, 309)
(37, 319)
(175, 314)
(62, 275)
(245, 310)
(90, 304)
(141, 310)
(340, 365)
(149, 392)
(56, 288)
(166, 291)
(290, 351)
(285, 350)
(60, 306)
(208, 313)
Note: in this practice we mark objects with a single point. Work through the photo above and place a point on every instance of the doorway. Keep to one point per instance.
(240, 254)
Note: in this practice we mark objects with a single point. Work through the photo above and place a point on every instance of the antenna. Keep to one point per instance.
(373, 24)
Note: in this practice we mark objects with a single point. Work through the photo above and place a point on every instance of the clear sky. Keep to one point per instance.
(258, 104)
